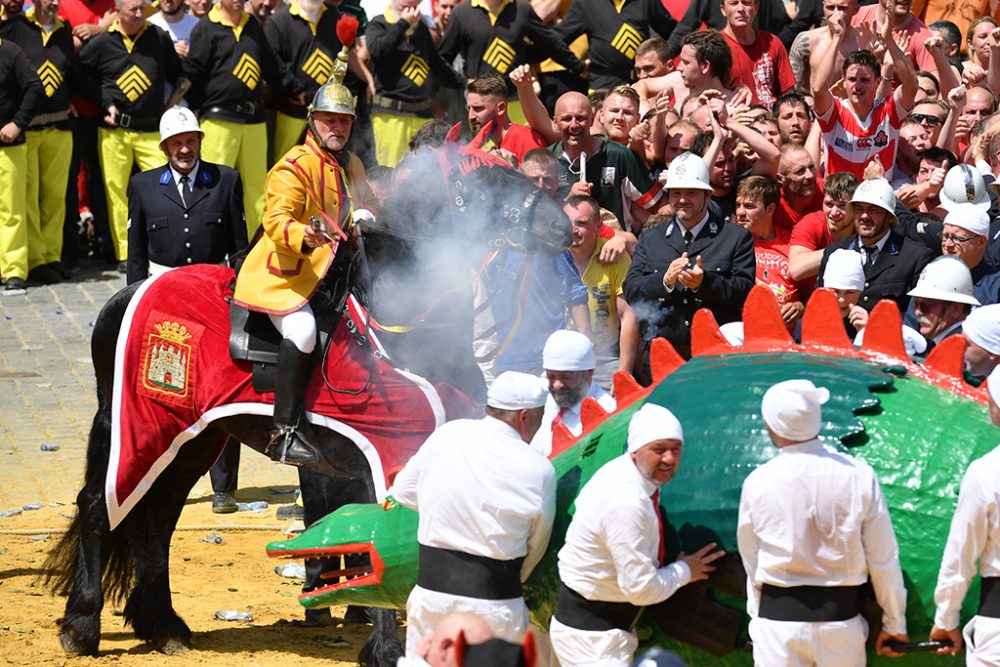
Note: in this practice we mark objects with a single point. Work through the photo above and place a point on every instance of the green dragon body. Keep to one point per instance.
(918, 426)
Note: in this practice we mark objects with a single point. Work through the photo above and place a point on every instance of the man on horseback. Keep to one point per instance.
(308, 206)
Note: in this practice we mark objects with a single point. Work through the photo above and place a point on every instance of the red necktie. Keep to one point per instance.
(662, 549)
(558, 418)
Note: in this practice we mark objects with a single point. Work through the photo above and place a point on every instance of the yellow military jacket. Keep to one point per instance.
(279, 274)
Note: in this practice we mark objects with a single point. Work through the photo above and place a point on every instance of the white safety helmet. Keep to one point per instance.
(687, 171)
(177, 120)
(945, 279)
(964, 185)
(875, 191)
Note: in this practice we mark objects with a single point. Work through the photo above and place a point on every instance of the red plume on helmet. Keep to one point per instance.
(347, 30)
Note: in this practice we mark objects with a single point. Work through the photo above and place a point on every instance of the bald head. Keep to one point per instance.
(438, 649)
(572, 119)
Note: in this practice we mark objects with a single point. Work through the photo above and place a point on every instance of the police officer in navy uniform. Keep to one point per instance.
(185, 212)
(695, 261)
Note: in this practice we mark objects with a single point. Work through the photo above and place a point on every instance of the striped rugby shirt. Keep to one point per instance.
(850, 144)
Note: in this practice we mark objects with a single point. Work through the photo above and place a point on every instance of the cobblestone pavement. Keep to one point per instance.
(47, 396)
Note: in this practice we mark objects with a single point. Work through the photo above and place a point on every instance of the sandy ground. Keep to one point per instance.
(205, 577)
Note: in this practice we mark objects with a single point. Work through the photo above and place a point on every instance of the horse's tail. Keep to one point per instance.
(65, 566)
(382, 648)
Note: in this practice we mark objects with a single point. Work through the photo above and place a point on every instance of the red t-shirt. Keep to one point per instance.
(772, 266)
(786, 217)
(811, 233)
(763, 66)
(78, 12)
(519, 139)
(919, 33)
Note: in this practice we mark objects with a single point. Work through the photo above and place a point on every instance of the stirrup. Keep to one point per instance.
(292, 449)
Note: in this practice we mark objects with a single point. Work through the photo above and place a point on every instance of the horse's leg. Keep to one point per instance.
(90, 557)
(149, 608)
(322, 494)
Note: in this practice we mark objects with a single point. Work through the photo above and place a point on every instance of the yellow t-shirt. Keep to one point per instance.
(604, 283)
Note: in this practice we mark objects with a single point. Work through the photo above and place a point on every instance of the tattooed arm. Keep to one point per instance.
(799, 57)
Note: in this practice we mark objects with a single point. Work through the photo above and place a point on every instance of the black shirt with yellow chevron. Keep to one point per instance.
(54, 59)
(496, 44)
(308, 49)
(20, 91)
(225, 65)
(405, 62)
(134, 72)
(615, 29)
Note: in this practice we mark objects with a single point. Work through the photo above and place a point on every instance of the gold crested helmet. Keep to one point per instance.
(333, 96)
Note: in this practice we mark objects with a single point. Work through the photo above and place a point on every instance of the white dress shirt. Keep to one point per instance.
(192, 179)
(612, 544)
(480, 490)
(812, 516)
(542, 442)
(974, 535)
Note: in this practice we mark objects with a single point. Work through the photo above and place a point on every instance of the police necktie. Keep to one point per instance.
(185, 189)
(869, 251)
(688, 237)
(661, 551)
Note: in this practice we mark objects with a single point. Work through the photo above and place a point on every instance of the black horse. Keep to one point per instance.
(130, 563)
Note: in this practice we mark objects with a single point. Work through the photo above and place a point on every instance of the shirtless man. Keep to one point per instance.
(817, 40)
(705, 64)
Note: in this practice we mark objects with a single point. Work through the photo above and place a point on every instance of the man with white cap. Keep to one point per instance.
(486, 503)
(694, 261)
(974, 537)
(942, 299)
(612, 564)
(813, 527)
(982, 333)
(844, 273)
(892, 262)
(568, 360)
(965, 235)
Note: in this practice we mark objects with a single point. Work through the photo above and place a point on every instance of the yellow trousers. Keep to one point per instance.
(118, 150)
(49, 154)
(287, 130)
(242, 146)
(13, 227)
(393, 132)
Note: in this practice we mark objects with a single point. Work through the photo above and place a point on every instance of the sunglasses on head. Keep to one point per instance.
(926, 118)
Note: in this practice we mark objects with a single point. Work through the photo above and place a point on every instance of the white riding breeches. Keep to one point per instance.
(299, 327)
(982, 641)
(425, 609)
(588, 648)
(802, 644)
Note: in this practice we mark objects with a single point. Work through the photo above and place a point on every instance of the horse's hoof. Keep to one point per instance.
(172, 646)
(73, 644)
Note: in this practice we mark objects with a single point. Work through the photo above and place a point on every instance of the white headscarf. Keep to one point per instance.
(792, 409)
(567, 350)
(982, 327)
(652, 422)
(517, 391)
(844, 270)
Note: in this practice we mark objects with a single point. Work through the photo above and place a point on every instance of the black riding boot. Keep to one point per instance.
(291, 441)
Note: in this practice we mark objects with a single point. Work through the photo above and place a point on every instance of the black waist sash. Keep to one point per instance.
(989, 597)
(811, 604)
(458, 573)
(578, 612)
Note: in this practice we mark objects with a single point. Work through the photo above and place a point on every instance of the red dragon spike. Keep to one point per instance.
(947, 356)
(347, 29)
(884, 332)
(663, 359)
(562, 439)
(706, 338)
(763, 327)
(591, 413)
(822, 325)
(530, 649)
(626, 388)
